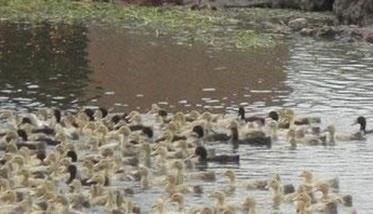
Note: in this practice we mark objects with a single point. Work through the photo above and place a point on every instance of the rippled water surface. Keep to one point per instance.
(70, 66)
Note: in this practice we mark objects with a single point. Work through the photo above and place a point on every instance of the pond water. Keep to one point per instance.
(70, 66)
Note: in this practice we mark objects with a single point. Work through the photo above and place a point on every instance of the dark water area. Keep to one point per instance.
(42, 65)
(70, 66)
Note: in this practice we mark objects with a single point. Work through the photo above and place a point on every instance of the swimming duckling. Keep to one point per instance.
(158, 206)
(201, 152)
(333, 136)
(324, 188)
(256, 138)
(249, 204)
(221, 204)
(249, 184)
(309, 182)
(178, 198)
(241, 114)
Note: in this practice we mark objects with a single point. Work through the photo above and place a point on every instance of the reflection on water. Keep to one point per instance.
(138, 71)
(42, 65)
(50, 65)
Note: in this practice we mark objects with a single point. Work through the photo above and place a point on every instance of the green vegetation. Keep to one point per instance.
(209, 27)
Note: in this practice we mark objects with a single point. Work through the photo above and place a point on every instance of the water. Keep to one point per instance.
(68, 66)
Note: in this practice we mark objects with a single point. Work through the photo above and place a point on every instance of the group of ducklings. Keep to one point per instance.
(74, 162)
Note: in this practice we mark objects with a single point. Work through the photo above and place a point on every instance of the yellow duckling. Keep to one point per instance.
(144, 173)
(249, 204)
(221, 204)
(309, 181)
(8, 197)
(158, 206)
(179, 167)
(250, 184)
(324, 188)
(277, 193)
(333, 136)
(171, 187)
(178, 198)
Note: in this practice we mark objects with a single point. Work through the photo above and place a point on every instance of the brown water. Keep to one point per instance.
(68, 66)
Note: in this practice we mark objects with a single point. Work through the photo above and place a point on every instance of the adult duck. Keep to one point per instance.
(201, 153)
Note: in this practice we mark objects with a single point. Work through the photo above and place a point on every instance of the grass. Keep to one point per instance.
(211, 28)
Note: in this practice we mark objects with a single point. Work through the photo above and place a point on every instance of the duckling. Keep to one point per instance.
(255, 138)
(302, 139)
(179, 167)
(158, 206)
(324, 188)
(249, 204)
(333, 136)
(221, 204)
(178, 198)
(201, 153)
(144, 180)
(171, 187)
(277, 193)
(309, 182)
(249, 184)
(361, 120)
(207, 176)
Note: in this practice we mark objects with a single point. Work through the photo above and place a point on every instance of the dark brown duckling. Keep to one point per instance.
(211, 137)
(201, 152)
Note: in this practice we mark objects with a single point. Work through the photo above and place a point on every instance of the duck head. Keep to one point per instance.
(72, 170)
(307, 175)
(206, 210)
(198, 130)
(89, 113)
(148, 132)
(72, 154)
(241, 113)
(201, 152)
(57, 115)
(219, 196)
(273, 115)
(361, 120)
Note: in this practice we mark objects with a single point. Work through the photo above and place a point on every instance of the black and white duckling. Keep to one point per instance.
(253, 138)
(201, 153)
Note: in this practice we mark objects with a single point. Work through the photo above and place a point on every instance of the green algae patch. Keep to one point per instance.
(209, 27)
